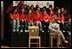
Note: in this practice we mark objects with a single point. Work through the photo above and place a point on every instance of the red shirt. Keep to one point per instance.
(37, 16)
(51, 16)
(46, 17)
(14, 16)
(22, 17)
(60, 18)
(29, 18)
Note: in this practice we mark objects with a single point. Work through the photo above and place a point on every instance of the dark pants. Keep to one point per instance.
(45, 34)
(22, 26)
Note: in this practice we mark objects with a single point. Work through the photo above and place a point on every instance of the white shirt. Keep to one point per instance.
(54, 26)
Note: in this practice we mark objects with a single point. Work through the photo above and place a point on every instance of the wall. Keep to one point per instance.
(40, 3)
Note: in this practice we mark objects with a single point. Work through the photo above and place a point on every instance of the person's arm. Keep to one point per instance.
(51, 27)
(11, 16)
(58, 27)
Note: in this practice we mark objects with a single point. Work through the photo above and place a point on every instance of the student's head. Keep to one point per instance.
(23, 10)
(50, 6)
(54, 18)
(56, 9)
(28, 11)
(59, 11)
(25, 5)
(69, 20)
(37, 6)
(21, 3)
(28, 7)
(44, 10)
(22, 6)
(62, 9)
(14, 10)
(32, 7)
(37, 10)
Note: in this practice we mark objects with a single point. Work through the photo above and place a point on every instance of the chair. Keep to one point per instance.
(52, 36)
(34, 34)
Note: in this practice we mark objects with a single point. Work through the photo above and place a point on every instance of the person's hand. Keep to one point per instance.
(11, 17)
(46, 20)
(59, 22)
(56, 31)
(17, 18)
(22, 20)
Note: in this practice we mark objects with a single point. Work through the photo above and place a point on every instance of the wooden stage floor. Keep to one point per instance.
(27, 47)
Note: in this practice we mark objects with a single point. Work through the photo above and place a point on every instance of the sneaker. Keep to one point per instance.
(14, 30)
(21, 30)
(66, 41)
(17, 30)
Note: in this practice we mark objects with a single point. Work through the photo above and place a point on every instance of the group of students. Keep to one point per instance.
(34, 15)
(23, 15)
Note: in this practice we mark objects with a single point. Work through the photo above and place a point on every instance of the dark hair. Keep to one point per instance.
(37, 6)
(48, 11)
(20, 3)
(55, 9)
(50, 6)
(43, 9)
(57, 14)
(31, 6)
(20, 12)
(14, 8)
(27, 9)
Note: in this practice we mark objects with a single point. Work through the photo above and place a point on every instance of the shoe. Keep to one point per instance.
(66, 41)
(14, 30)
(17, 30)
(21, 30)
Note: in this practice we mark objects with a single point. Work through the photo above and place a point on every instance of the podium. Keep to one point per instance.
(34, 38)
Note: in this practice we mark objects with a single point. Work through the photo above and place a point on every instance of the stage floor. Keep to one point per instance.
(27, 47)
